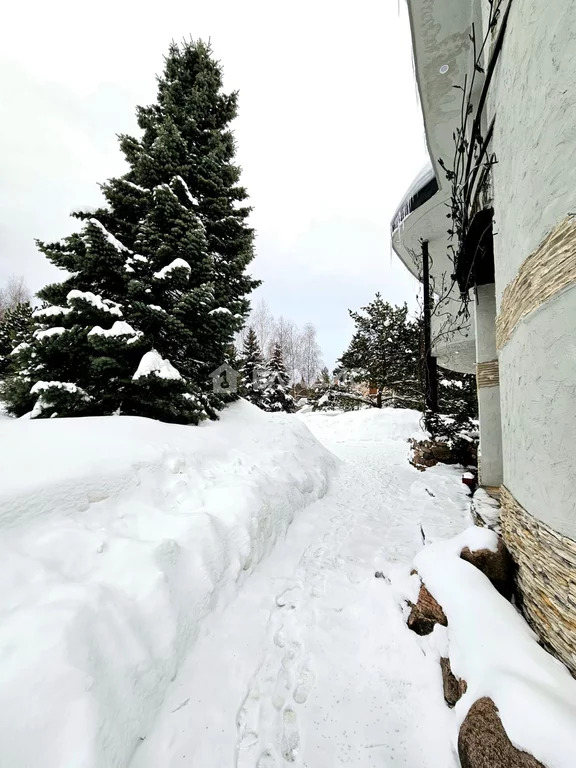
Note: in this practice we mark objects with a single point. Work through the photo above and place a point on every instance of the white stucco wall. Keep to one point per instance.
(538, 395)
(533, 97)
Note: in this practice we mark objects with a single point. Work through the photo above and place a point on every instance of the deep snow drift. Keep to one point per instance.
(311, 664)
(230, 596)
(118, 536)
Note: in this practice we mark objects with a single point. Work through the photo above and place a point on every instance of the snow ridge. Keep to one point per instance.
(118, 536)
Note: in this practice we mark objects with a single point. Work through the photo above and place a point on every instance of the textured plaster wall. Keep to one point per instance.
(534, 98)
(538, 396)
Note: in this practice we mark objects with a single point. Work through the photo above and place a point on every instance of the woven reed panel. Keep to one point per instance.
(547, 271)
(487, 374)
(546, 577)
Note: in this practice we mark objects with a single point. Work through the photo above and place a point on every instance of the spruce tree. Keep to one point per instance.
(16, 328)
(385, 352)
(166, 258)
(336, 393)
(16, 338)
(276, 396)
(253, 370)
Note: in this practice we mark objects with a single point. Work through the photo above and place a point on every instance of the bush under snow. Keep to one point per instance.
(117, 537)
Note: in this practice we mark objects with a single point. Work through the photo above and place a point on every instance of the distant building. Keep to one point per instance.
(504, 124)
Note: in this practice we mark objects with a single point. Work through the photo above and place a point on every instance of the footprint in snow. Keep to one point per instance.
(304, 684)
(290, 735)
(292, 652)
(318, 588)
(247, 720)
(267, 760)
(282, 689)
(289, 598)
(280, 637)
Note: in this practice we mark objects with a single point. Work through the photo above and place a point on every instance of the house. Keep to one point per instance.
(490, 228)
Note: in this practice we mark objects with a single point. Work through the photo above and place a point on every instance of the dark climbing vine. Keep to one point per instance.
(471, 219)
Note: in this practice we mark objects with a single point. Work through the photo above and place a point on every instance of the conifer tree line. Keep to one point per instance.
(264, 382)
(155, 286)
(16, 323)
(383, 365)
(301, 353)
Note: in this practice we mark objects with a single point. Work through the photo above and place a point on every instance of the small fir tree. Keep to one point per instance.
(16, 328)
(253, 370)
(385, 352)
(276, 396)
(337, 392)
(456, 421)
(16, 339)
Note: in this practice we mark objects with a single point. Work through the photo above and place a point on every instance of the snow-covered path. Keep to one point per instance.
(309, 662)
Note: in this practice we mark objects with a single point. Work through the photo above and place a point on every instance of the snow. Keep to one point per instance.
(106, 305)
(43, 386)
(20, 347)
(206, 596)
(118, 537)
(134, 186)
(486, 508)
(51, 311)
(189, 194)
(495, 651)
(120, 328)
(220, 311)
(153, 363)
(56, 331)
(176, 264)
(109, 236)
(311, 657)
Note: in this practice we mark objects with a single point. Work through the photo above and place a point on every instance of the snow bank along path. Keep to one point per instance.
(492, 647)
(311, 663)
(118, 536)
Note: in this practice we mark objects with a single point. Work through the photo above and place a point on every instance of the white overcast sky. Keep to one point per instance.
(329, 133)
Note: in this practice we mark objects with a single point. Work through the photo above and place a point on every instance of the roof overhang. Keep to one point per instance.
(442, 54)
